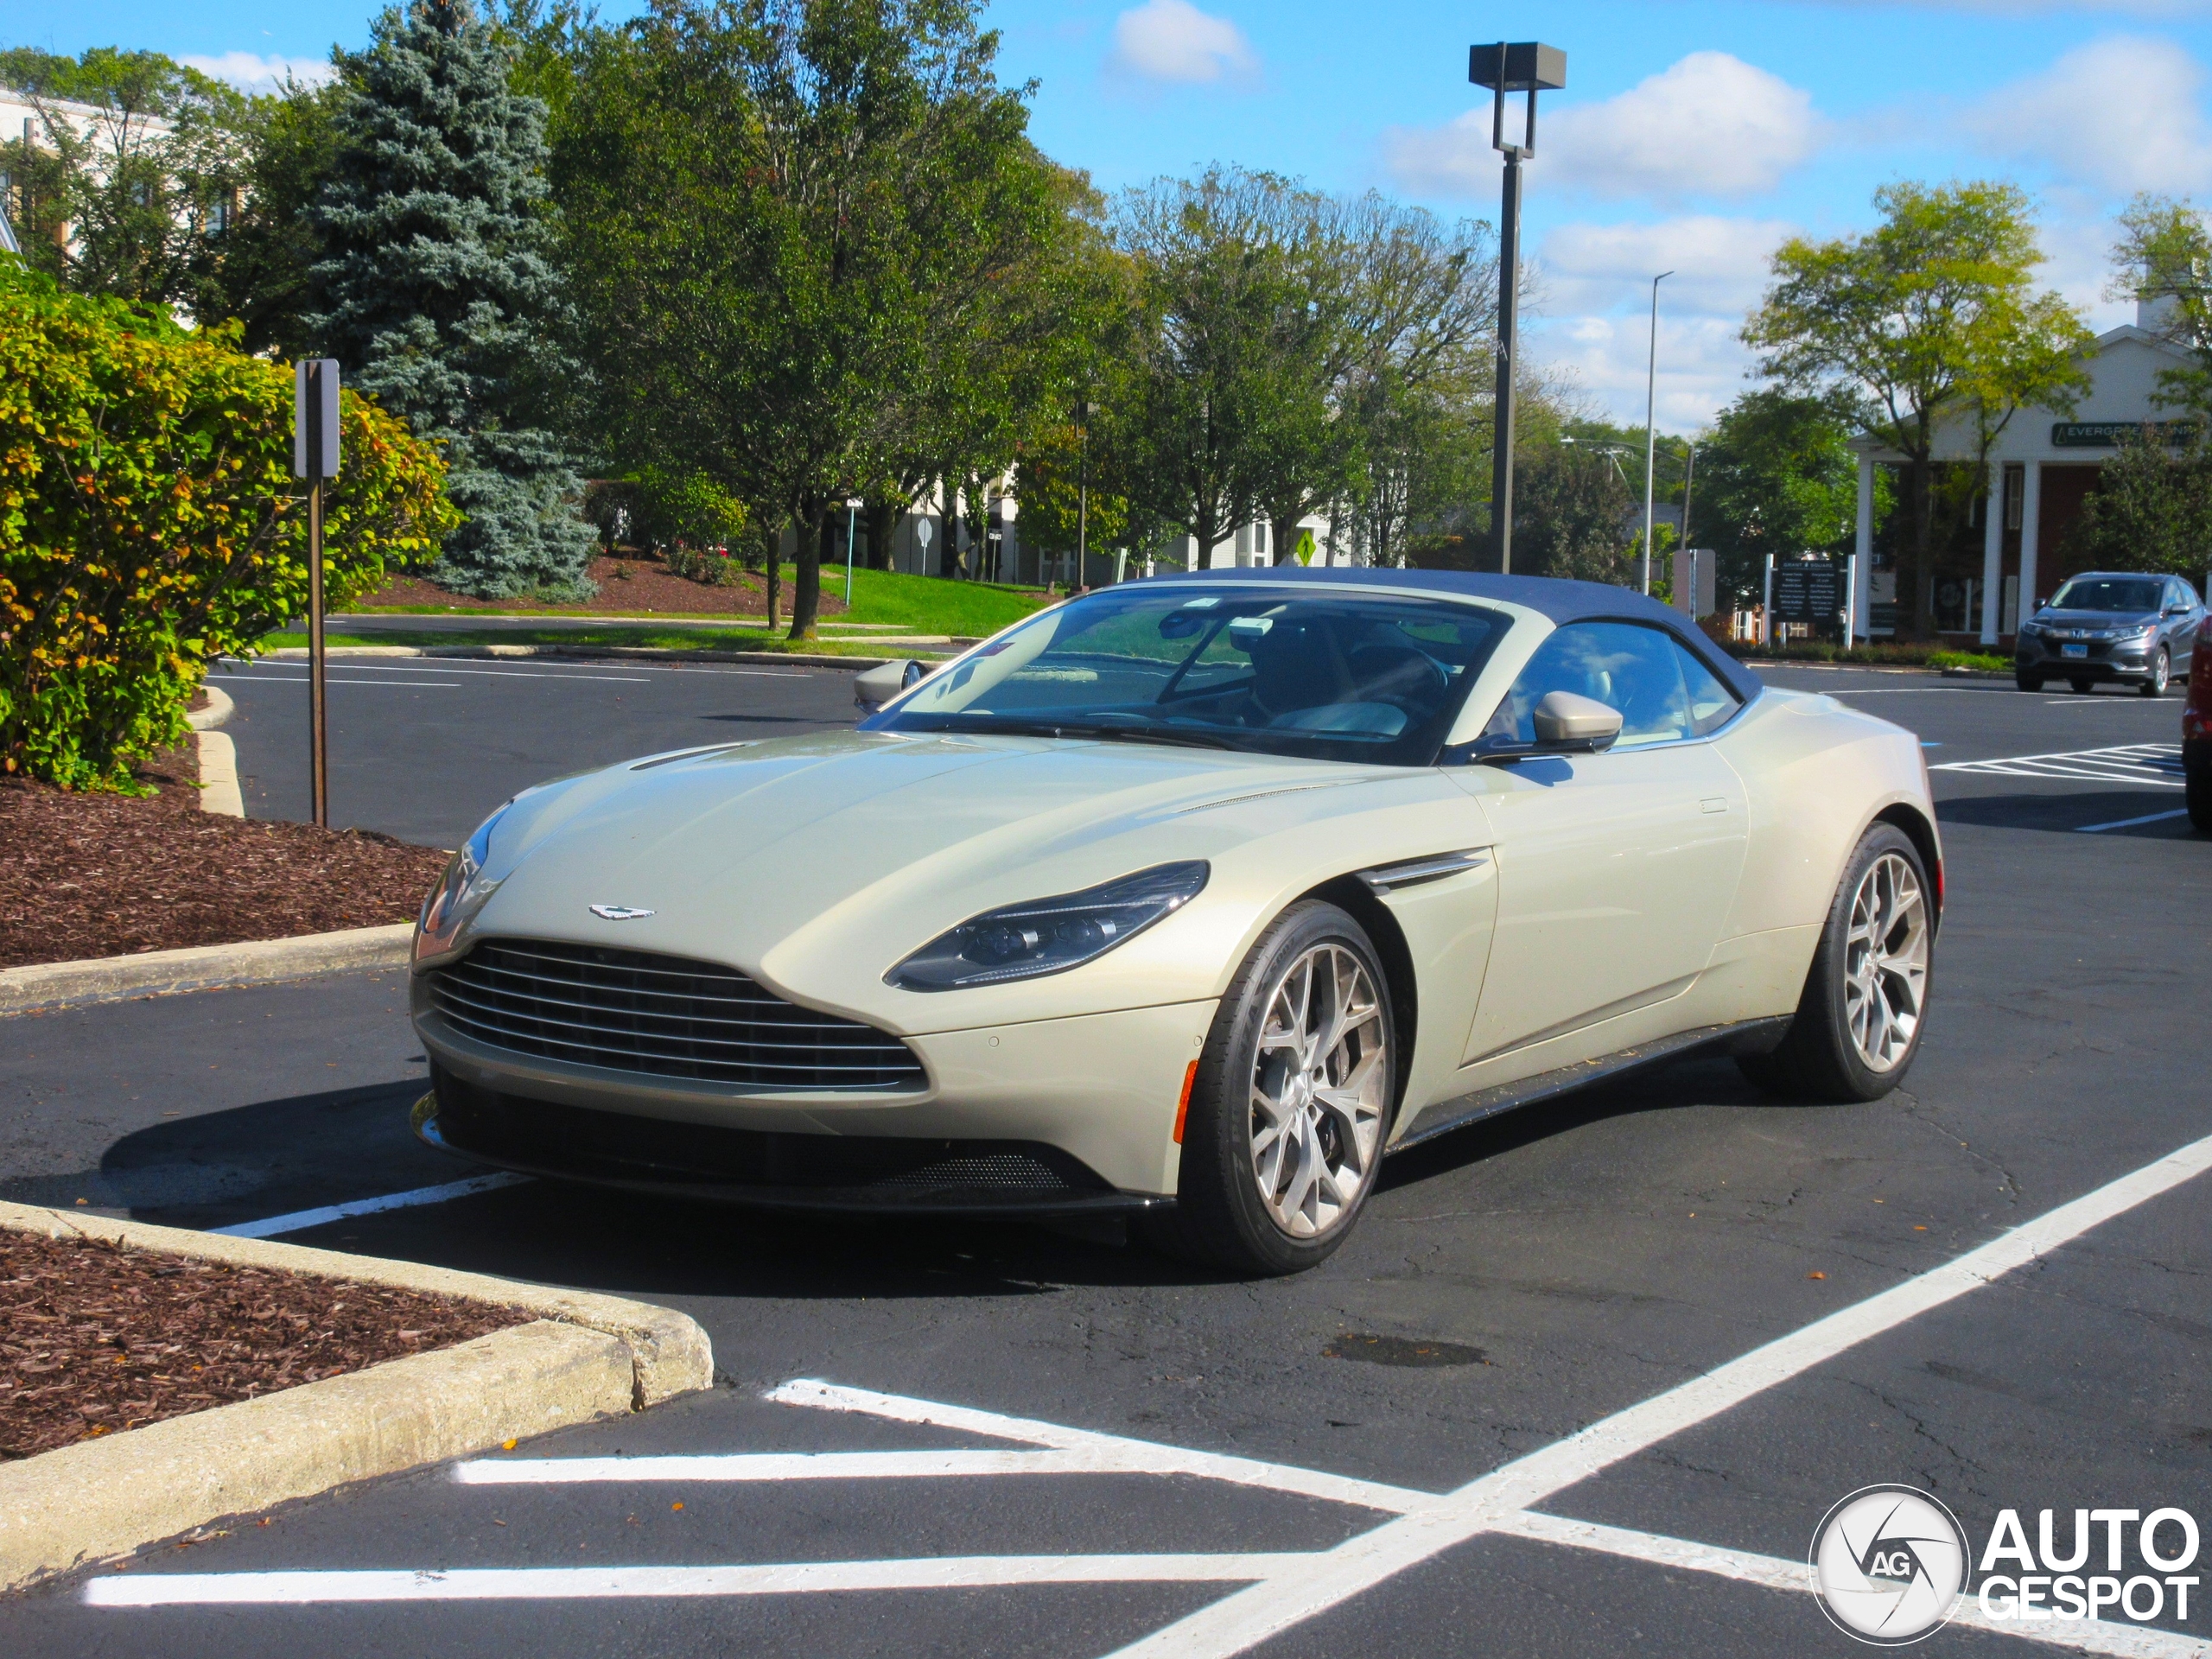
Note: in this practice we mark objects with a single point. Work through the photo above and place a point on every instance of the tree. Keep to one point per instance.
(1222, 395)
(2151, 509)
(256, 266)
(1927, 320)
(841, 187)
(149, 522)
(438, 294)
(1568, 505)
(121, 201)
(2164, 257)
(1777, 475)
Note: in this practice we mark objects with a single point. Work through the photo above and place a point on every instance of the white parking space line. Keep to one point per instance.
(297, 673)
(1251, 1616)
(544, 671)
(1771, 1572)
(299, 1220)
(577, 1583)
(2129, 823)
(1139, 1456)
(332, 680)
(2156, 765)
(1282, 1590)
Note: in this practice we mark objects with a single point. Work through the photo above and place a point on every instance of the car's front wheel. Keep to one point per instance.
(2025, 681)
(1860, 1021)
(1292, 1103)
(2161, 674)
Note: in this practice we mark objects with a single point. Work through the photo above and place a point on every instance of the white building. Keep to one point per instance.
(2042, 468)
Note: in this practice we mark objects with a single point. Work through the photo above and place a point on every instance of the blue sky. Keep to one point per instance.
(1693, 135)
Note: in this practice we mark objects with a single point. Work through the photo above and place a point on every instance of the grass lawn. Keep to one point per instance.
(925, 604)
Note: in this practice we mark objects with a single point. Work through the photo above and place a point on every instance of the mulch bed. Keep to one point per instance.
(95, 875)
(630, 585)
(96, 1339)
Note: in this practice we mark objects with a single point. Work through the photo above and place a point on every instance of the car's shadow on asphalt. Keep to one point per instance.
(661, 1249)
(214, 1169)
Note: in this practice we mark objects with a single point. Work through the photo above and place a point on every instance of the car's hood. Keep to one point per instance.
(737, 851)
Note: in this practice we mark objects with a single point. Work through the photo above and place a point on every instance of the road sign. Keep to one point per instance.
(315, 457)
(1808, 590)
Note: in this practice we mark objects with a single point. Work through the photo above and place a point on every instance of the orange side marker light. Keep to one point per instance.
(1183, 1106)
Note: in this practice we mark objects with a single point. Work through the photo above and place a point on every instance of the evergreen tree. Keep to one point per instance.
(440, 295)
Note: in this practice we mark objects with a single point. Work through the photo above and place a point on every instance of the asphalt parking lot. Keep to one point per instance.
(1514, 1415)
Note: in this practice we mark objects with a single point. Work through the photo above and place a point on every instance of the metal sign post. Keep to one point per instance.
(852, 517)
(315, 457)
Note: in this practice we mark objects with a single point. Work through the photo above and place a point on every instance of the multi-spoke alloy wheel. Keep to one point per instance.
(1318, 1091)
(1885, 963)
(1290, 1105)
(1864, 1006)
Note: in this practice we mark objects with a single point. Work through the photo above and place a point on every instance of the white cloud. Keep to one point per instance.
(2173, 9)
(1173, 41)
(1710, 124)
(2122, 114)
(1719, 264)
(252, 72)
(1597, 286)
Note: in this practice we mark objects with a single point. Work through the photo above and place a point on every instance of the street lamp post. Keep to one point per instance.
(1510, 66)
(1650, 428)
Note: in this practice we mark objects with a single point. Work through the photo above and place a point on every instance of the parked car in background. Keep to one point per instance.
(2107, 624)
(2196, 742)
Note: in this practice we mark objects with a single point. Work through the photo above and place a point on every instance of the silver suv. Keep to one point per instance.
(2105, 625)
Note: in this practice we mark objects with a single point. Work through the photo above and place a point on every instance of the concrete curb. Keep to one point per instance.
(219, 775)
(198, 967)
(586, 1356)
(219, 709)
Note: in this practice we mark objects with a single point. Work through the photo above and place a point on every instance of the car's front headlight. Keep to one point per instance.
(1050, 935)
(451, 900)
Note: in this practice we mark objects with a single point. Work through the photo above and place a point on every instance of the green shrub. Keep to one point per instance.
(711, 565)
(149, 522)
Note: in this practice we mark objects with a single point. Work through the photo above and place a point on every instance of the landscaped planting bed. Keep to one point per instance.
(95, 875)
(96, 1337)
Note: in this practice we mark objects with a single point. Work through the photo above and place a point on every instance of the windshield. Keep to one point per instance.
(2130, 594)
(1296, 670)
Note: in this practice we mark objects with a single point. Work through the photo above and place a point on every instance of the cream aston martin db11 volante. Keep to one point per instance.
(1189, 900)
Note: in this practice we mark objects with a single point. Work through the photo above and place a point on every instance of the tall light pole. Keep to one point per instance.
(1650, 417)
(1516, 66)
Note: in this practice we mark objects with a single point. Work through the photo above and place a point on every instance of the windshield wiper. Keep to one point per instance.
(1127, 733)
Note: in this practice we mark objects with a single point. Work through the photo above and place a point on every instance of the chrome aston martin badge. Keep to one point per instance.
(617, 913)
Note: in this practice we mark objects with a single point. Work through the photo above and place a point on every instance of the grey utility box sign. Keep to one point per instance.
(315, 417)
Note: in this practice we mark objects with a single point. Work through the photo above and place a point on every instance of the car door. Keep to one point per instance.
(1615, 871)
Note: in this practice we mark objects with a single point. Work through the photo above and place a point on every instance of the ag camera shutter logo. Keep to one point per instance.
(1889, 1565)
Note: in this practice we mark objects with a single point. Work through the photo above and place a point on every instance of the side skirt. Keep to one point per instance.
(1742, 1037)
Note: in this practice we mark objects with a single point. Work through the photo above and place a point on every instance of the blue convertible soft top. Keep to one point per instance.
(1562, 601)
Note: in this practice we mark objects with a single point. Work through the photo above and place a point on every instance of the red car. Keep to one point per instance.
(2197, 738)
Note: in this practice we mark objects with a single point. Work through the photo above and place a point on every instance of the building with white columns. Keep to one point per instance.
(2042, 468)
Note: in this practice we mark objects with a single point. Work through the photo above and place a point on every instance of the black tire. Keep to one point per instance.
(2026, 681)
(1220, 1218)
(2161, 672)
(2199, 799)
(2082, 688)
(1820, 1059)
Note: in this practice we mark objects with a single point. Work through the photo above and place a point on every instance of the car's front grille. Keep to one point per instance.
(634, 1011)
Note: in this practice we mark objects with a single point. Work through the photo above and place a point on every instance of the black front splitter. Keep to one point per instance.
(664, 1182)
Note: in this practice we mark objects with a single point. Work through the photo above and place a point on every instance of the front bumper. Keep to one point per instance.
(2104, 660)
(1090, 1103)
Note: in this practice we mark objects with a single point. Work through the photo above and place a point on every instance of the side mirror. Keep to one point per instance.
(1567, 723)
(874, 687)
